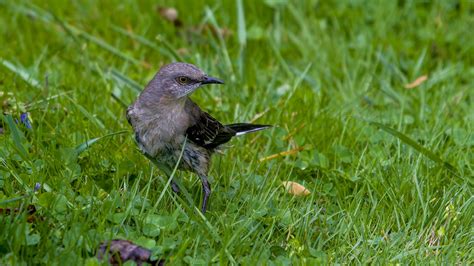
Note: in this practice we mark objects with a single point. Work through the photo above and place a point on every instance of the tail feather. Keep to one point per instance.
(244, 128)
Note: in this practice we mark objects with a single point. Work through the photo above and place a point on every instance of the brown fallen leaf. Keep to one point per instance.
(170, 14)
(295, 188)
(30, 210)
(417, 82)
(145, 64)
(218, 32)
(119, 251)
(211, 29)
(182, 51)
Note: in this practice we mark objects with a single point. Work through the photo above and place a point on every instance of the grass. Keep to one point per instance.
(390, 169)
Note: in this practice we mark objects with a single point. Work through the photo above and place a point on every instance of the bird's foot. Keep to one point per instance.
(206, 191)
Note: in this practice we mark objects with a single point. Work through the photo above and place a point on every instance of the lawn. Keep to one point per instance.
(372, 103)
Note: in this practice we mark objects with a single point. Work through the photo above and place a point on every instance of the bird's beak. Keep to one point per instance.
(211, 80)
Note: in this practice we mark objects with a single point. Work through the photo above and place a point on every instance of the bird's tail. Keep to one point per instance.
(244, 128)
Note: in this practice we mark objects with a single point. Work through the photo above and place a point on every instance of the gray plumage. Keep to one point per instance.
(163, 116)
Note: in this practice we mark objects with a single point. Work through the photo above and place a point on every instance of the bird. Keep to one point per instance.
(171, 130)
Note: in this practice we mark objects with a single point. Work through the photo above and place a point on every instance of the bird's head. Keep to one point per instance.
(180, 79)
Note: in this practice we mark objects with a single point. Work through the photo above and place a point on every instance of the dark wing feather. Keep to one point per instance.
(209, 133)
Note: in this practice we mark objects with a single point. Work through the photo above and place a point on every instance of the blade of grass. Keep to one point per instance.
(84, 146)
(168, 52)
(415, 145)
(116, 97)
(242, 35)
(171, 176)
(112, 75)
(116, 75)
(31, 106)
(16, 176)
(168, 46)
(212, 19)
(27, 77)
(7, 201)
(75, 32)
(103, 44)
(298, 81)
(86, 113)
(16, 136)
(413, 252)
(280, 59)
(212, 230)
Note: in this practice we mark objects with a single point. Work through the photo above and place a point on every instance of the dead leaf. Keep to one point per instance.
(223, 32)
(119, 251)
(439, 21)
(417, 82)
(145, 64)
(283, 153)
(209, 28)
(170, 14)
(30, 210)
(182, 51)
(295, 188)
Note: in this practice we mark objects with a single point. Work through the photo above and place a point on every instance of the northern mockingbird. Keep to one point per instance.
(164, 118)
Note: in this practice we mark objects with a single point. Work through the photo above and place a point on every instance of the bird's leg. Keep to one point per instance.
(174, 186)
(168, 172)
(206, 189)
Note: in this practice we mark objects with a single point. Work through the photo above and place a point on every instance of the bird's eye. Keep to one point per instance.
(183, 80)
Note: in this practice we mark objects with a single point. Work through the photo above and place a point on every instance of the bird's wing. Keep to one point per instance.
(207, 132)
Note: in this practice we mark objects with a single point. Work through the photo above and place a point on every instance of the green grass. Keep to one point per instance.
(390, 169)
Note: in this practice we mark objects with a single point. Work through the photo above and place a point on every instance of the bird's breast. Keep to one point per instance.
(158, 132)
